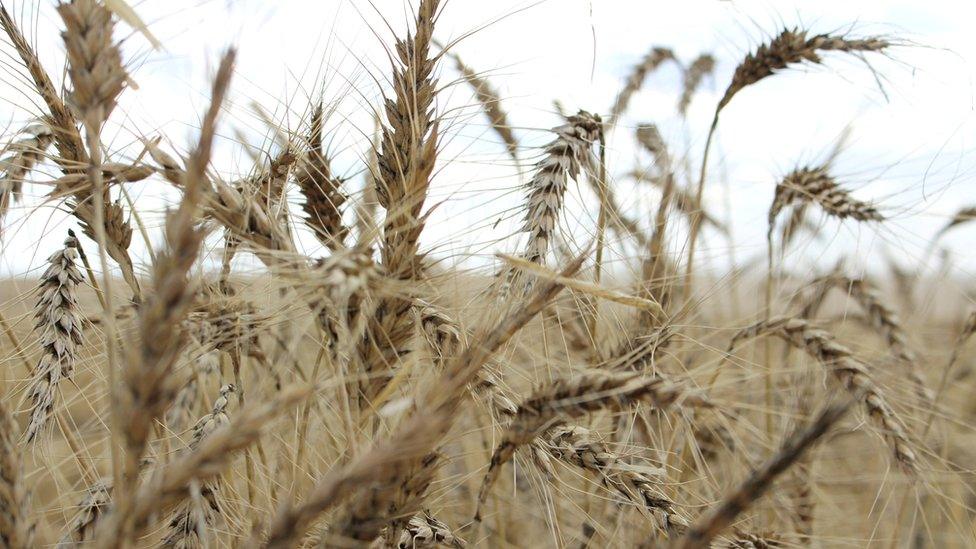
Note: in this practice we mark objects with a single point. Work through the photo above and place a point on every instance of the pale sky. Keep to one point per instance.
(911, 112)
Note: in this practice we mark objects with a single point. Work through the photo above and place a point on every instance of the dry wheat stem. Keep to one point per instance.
(736, 501)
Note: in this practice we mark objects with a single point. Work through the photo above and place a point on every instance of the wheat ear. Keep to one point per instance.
(22, 157)
(406, 163)
(701, 67)
(791, 46)
(16, 527)
(322, 190)
(848, 370)
(573, 398)
(562, 161)
(648, 64)
(59, 327)
(491, 102)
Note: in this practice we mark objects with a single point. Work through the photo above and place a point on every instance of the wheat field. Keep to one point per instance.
(596, 379)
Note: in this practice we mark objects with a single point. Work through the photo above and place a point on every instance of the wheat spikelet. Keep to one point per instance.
(701, 67)
(573, 398)
(58, 324)
(882, 317)
(424, 530)
(817, 186)
(59, 118)
(94, 61)
(97, 78)
(748, 540)
(323, 191)
(648, 64)
(405, 162)
(563, 160)
(16, 526)
(491, 102)
(848, 370)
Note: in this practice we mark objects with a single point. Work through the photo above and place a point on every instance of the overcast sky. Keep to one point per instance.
(911, 112)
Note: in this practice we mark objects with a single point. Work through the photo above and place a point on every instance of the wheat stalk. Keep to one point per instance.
(736, 501)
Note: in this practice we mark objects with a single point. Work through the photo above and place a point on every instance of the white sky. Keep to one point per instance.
(909, 151)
